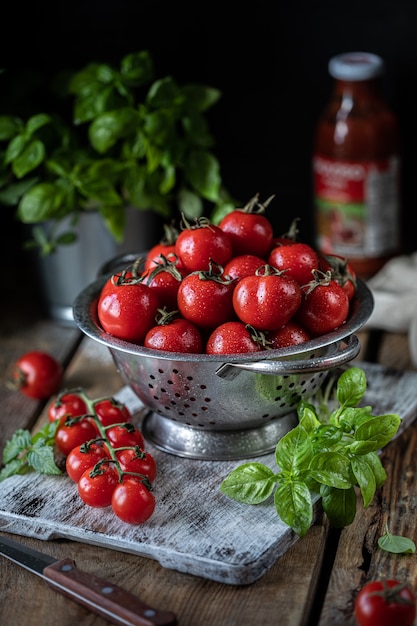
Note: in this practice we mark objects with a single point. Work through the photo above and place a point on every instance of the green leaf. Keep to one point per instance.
(29, 159)
(110, 127)
(40, 203)
(365, 477)
(189, 204)
(351, 386)
(379, 429)
(9, 127)
(339, 505)
(293, 503)
(375, 463)
(294, 451)
(396, 544)
(20, 440)
(202, 97)
(137, 68)
(251, 483)
(36, 122)
(41, 459)
(202, 170)
(332, 469)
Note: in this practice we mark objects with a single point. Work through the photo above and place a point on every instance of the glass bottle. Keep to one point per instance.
(356, 167)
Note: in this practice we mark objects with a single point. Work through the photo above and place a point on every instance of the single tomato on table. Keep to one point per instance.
(37, 374)
(385, 603)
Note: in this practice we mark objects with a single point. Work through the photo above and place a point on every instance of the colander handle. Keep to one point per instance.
(229, 371)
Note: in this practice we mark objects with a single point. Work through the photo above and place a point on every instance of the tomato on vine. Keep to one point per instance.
(132, 501)
(110, 411)
(137, 461)
(37, 374)
(97, 484)
(84, 457)
(385, 603)
(125, 435)
(73, 433)
(69, 404)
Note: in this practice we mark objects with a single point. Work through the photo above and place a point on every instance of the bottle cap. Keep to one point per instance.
(356, 66)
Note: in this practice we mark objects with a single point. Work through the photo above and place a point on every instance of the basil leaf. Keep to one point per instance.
(365, 477)
(332, 469)
(293, 503)
(396, 544)
(351, 386)
(251, 483)
(339, 505)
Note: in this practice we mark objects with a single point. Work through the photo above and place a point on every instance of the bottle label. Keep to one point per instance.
(357, 207)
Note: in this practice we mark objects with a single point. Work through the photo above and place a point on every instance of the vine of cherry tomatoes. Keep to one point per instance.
(105, 454)
(228, 288)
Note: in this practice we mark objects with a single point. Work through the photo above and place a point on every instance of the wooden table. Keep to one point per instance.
(314, 583)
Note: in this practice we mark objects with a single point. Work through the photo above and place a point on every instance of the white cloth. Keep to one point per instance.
(394, 289)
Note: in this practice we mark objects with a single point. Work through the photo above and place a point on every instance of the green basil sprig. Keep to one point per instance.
(328, 454)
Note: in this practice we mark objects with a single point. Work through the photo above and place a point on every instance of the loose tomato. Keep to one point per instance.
(291, 334)
(243, 265)
(165, 280)
(125, 435)
(385, 603)
(205, 298)
(37, 374)
(164, 248)
(70, 404)
(137, 461)
(84, 457)
(69, 436)
(132, 501)
(266, 300)
(233, 338)
(250, 231)
(297, 259)
(174, 334)
(324, 306)
(110, 411)
(198, 245)
(127, 309)
(342, 271)
(96, 487)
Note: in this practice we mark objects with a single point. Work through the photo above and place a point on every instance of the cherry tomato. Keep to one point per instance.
(165, 280)
(198, 245)
(291, 334)
(37, 374)
(68, 437)
(126, 435)
(243, 265)
(251, 232)
(70, 404)
(110, 411)
(297, 259)
(323, 308)
(96, 487)
(165, 248)
(132, 501)
(232, 338)
(342, 271)
(206, 298)
(176, 334)
(137, 461)
(266, 300)
(84, 457)
(128, 310)
(385, 603)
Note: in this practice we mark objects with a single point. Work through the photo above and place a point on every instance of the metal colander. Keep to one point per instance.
(209, 407)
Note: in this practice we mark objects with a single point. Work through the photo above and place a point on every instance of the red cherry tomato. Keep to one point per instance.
(342, 271)
(68, 437)
(243, 265)
(96, 487)
(206, 298)
(127, 310)
(266, 300)
(232, 338)
(297, 259)
(126, 435)
(132, 501)
(37, 374)
(385, 603)
(291, 334)
(323, 308)
(84, 457)
(110, 411)
(165, 280)
(251, 232)
(198, 245)
(137, 461)
(70, 404)
(175, 335)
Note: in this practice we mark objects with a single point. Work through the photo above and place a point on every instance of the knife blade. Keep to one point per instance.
(100, 596)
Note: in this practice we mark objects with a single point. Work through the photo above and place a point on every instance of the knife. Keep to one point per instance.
(100, 596)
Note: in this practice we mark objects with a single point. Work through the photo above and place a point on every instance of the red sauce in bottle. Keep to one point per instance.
(356, 167)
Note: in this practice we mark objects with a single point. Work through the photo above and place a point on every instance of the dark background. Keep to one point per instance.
(269, 60)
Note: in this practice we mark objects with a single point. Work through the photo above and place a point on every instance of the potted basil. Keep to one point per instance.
(132, 146)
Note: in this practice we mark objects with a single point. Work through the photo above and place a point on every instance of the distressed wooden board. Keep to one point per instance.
(195, 529)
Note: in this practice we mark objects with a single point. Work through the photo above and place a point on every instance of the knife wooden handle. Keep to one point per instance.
(104, 598)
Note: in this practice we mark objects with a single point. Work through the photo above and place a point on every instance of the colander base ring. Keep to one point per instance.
(215, 445)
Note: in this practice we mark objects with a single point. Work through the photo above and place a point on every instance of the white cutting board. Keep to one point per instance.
(194, 529)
